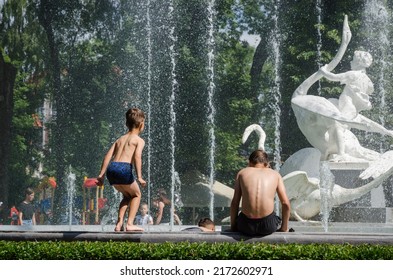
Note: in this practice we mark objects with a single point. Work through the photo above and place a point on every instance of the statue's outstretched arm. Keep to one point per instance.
(346, 38)
(331, 76)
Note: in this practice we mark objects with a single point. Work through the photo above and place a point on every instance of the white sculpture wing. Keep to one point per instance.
(298, 184)
(378, 167)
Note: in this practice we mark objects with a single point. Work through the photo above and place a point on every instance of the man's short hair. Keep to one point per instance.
(259, 156)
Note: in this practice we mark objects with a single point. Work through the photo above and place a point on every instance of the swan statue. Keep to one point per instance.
(301, 176)
(326, 123)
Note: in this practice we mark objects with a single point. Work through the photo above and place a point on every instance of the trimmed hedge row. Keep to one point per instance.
(84, 250)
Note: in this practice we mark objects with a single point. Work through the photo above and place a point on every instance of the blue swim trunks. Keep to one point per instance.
(120, 173)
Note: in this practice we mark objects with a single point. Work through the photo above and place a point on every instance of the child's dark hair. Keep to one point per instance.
(134, 117)
(29, 191)
(204, 222)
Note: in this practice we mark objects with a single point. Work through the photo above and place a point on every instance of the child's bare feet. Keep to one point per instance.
(119, 227)
(133, 228)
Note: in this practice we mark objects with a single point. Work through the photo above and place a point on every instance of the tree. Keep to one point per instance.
(20, 63)
(7, 80)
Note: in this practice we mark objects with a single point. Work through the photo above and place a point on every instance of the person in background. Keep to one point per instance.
(14, 215)
(144, 218)
(26, 209)
(163, 213)
(206, 224)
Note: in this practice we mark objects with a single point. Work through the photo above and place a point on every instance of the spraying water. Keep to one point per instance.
(70, 194)
(276, 41)
(110, 216)
(318, 7)
(174, 85)
(212, 110)
(326, 186)
(149, 62)
(377, 25)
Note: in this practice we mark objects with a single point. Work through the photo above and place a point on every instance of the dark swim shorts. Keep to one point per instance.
(263, 226)
(120, 173)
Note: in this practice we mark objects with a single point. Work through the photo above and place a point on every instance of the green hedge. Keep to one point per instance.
(84, 250)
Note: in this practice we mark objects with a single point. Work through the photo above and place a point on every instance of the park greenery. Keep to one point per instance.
(89, 61)
(80, 250)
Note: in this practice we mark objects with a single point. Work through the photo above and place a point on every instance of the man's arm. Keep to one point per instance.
(235, 204)
(285, 204)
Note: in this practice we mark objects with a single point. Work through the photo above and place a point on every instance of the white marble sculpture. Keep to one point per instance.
(326, 123)
(301, 175)
(302, 182)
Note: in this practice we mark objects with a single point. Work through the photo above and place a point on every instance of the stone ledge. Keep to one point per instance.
(174, 237)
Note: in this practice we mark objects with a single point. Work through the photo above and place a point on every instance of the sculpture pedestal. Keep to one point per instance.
(369, 208)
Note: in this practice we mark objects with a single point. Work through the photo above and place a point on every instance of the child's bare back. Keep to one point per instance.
(126, 146)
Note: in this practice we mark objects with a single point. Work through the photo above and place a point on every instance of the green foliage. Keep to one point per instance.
(82, 250)
(102, 52)
(25, 151)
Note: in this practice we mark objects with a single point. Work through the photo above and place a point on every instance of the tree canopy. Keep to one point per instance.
(73, 68)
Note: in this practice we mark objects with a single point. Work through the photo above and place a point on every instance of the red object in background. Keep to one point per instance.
(90, 183)
(37, 121)
(102, 202)
(14, 216)
(52, 182)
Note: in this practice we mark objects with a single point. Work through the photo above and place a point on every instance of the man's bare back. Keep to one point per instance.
(258, 187)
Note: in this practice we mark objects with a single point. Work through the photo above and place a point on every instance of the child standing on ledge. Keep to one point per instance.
(117, 163)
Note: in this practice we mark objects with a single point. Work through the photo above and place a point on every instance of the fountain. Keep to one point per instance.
(70, 196)
(315, 194)
(326, 125)
(376, 27)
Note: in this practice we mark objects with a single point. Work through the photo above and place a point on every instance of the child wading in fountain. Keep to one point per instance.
(143, 218)
(117, 163)
(163, 209)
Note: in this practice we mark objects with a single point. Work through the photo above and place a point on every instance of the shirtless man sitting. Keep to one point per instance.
(257, 185)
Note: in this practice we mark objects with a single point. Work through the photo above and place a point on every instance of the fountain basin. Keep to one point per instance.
(305, 233)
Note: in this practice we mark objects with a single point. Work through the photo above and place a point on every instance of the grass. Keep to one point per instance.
(113, 250)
